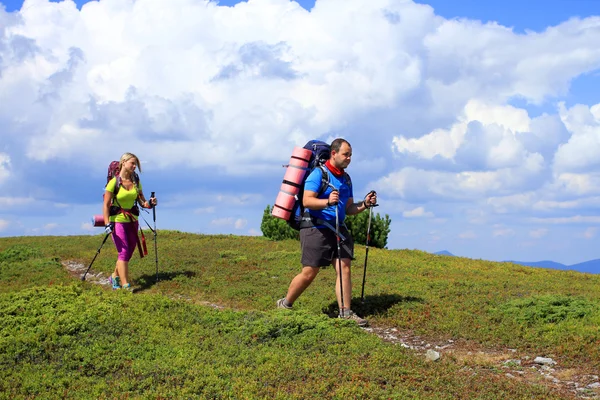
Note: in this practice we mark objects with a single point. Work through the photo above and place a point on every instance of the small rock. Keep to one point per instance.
(544, 361)
(510, 376)
(595, 385)
(432, 355)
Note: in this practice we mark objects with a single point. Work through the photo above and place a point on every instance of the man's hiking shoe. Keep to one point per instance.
(353, 317)
(281, 304)
(115, 282)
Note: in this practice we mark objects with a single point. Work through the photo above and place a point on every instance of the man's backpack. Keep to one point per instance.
(288, 205)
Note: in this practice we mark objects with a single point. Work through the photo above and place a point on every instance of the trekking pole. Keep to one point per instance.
(337, 234)
(155, 245)
(94, 259)
(362, 293)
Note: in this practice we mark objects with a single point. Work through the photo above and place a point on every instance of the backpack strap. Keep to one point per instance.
(324, 180)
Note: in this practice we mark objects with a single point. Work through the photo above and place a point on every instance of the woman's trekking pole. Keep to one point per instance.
(337, 234)
(154, 231)
(362, 293)
(94, 259)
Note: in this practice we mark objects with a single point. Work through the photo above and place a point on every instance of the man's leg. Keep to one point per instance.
(300, 283)
(347, 280)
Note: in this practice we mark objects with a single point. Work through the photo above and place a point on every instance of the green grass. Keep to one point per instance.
(63, 338)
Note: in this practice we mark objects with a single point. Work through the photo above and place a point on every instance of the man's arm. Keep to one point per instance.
(310, 200)
(353, 208)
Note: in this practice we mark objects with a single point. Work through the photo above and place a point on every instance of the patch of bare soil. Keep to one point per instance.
(576, 383)
(579, 383)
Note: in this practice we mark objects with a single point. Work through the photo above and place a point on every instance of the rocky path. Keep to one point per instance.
(576, 383)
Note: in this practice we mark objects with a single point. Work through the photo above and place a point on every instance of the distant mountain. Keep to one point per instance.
(542, 264)
(592, 266)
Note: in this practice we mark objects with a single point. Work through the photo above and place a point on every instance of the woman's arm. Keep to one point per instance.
(106, 206)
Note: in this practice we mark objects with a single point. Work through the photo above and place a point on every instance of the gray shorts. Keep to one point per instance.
(319, 246)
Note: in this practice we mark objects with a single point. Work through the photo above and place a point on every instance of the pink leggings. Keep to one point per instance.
(125, 238)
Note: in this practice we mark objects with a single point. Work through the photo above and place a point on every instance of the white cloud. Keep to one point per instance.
(4, 224)
(240, 223)
(236, 223)
(590, 233)
(223, 221)
(500, 231)
(6, 202)
(205, 210)
(467, 235)
(582, 149)
(538, 233)
(418, 212)
(196, 83)
(4, 167)
(577, 219)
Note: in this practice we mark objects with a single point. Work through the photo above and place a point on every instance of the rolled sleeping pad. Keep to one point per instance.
(292, 180)
(98, 220)
(283, 205)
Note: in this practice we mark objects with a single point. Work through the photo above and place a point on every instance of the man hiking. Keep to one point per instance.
(319, 230)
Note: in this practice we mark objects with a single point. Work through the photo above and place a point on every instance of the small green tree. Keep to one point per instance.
(380, 228)
(276, 228)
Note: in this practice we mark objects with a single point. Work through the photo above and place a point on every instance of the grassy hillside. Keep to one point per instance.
(60, 337)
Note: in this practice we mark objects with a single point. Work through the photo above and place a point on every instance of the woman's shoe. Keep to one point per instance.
(115, 282)
(127, 286)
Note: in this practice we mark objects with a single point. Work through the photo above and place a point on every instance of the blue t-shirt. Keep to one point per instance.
(343, 185)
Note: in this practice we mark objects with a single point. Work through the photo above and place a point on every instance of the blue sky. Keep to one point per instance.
(478, 123)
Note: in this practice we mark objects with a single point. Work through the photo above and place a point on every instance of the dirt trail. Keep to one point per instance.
(575, 383)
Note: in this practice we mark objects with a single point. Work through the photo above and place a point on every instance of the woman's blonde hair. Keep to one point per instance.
(128, 156)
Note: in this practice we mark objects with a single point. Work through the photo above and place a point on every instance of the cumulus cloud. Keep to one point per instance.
(236, 223)
(205, 210)
(4, 167)
(538, 233)
(502, 231)
(580, 153)
(240, 223)
(223, 221)
(590, 233)
(467, 235)
(418, 212)
(230, 91)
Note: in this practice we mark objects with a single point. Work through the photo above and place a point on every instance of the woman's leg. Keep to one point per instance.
(125, 238)
(123, 268)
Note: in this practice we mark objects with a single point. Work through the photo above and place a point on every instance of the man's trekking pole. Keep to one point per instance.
(155, 246)
(337, 234)
(94, 259)
(362, 293)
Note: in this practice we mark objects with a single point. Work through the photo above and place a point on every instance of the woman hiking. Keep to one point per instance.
(121, 211)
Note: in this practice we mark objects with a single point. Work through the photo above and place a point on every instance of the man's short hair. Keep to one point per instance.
(337, 144)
